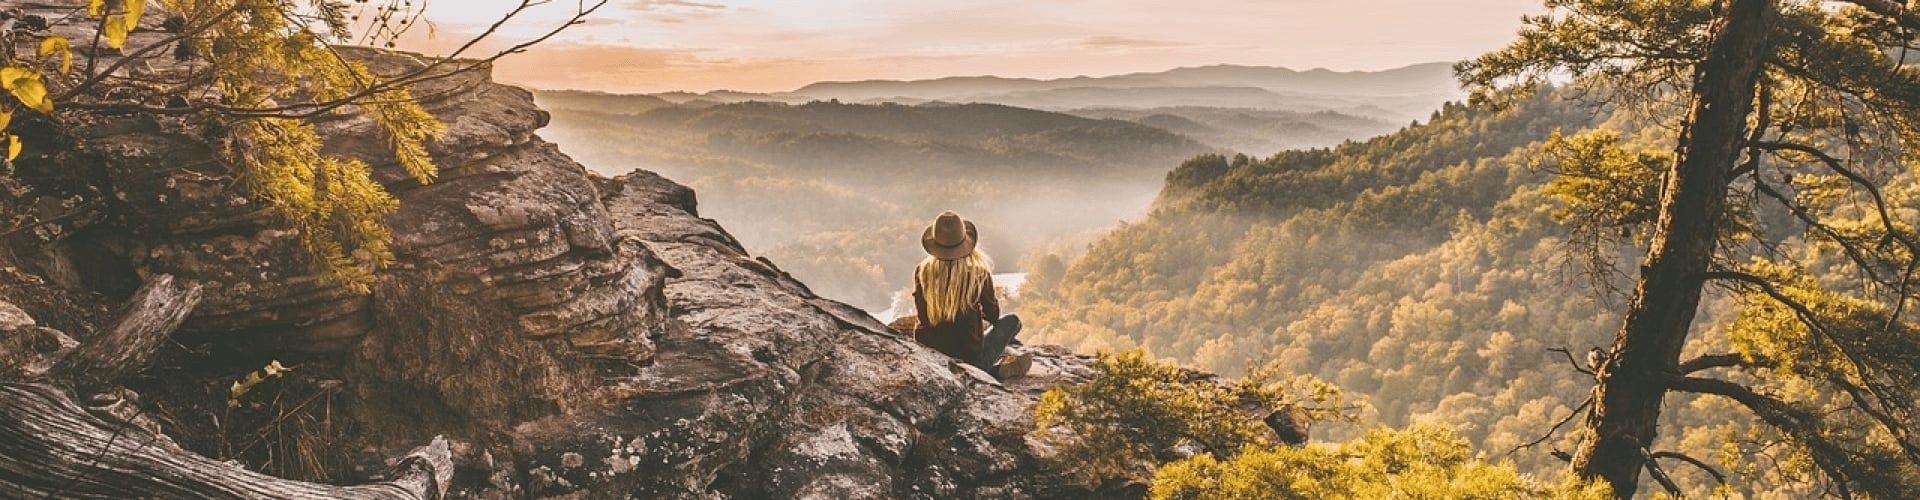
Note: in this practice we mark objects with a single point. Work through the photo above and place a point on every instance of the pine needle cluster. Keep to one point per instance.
(264, 52)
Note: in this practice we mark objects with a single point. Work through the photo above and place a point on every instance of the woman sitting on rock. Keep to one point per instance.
(954, 298)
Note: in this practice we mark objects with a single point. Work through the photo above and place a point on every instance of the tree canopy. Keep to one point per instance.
(1196, 437)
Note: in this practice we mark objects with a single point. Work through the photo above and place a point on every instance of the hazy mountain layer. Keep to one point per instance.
(1395, 95)
(1411, 80)
(1251, 131)
(838, 193)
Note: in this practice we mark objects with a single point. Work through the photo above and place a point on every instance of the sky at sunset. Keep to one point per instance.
(775, 45)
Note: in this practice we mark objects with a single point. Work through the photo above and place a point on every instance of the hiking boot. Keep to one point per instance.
(1013, 366)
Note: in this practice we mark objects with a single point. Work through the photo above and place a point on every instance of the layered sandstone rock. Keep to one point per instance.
(573, 336)
(763, 390)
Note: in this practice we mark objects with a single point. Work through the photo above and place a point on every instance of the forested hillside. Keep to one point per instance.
(1423, 270)
(1251, 130)
(1702, 288)
(837, 194)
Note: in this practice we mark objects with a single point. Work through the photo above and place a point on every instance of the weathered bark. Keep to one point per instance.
(1646, 351)
(51, 447)
(127, 346)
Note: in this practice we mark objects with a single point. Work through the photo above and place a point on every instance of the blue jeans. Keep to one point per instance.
(995, 342)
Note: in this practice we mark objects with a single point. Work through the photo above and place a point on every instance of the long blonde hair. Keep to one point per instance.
(952, 286)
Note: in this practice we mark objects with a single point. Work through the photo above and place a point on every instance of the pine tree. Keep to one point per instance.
(1793, 103)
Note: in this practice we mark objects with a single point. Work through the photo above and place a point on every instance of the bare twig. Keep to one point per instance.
(1556, 427)
(1571, 361)
(1894, 426)
(429, 72)
(141, 54)
(1717, 475)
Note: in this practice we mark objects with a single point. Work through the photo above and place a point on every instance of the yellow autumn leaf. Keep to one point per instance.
(33, 93)
(95, 7)
(13, 147)
(116, 31)
(253, 378)
(5, 119)
(25, 85)
(58, 45)
(134, 9)
(10, 74)
(53, 45)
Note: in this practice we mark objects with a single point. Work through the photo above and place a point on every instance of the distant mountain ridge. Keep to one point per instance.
(1035, 160)
(1395, 95)
(1415, 79)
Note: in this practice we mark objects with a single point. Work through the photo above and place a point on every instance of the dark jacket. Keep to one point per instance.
(960, 338)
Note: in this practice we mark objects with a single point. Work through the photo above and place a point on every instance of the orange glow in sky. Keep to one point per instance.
(770, 45)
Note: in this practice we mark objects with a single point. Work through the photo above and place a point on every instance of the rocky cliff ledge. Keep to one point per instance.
(573, 336)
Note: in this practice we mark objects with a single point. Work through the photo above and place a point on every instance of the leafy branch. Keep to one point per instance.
(436, 70)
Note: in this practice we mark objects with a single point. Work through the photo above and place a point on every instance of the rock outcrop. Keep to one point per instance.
(762, 390)
(573, 336)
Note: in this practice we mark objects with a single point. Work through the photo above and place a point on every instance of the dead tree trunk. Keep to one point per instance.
(1646, 351)
(53, 447)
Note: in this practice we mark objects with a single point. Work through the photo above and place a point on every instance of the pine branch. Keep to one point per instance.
(1800, 310)
(1840, 464)
(1905, 287)
(1894, 426)
(1869, 405)
(1807, 217)
(1834, 164)
(1897, 11)
(1710, 361)
(1658, 475)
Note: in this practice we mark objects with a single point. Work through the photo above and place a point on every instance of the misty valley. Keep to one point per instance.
(856, 168)
(1646, 249)
(1441, 273)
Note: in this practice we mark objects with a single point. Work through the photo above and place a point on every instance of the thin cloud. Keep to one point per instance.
(778, 45)
(1126, 42)
(654, 5)
(601, 21)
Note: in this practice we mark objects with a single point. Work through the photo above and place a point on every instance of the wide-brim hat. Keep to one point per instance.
(950, 237)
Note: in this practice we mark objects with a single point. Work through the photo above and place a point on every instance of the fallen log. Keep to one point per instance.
(129, 343)
(51, 447)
